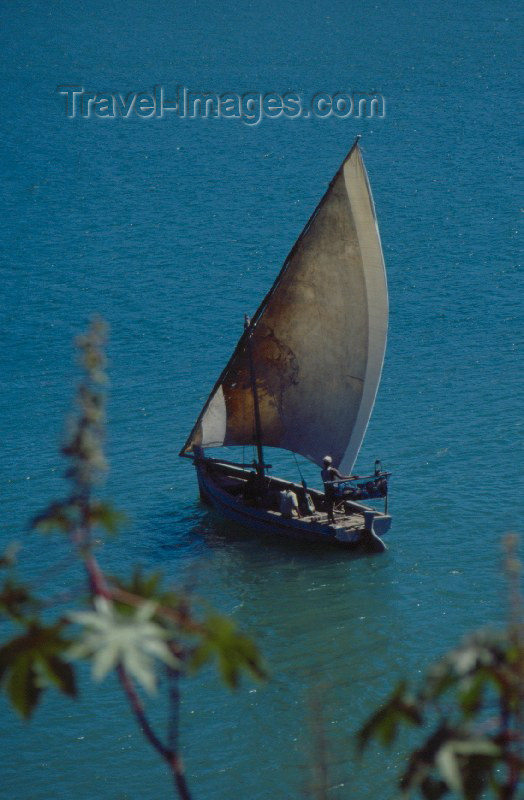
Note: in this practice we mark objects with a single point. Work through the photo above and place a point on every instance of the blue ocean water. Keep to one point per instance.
(173, 228)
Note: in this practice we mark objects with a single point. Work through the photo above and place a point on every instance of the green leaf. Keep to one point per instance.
(383, 724)
(22, 685)
(472, 694)
(149, 588)
(440, 678)
(61, 673)
(58, 516)
(106, 516)
(16, 601)
(235, 652)
(26, 659)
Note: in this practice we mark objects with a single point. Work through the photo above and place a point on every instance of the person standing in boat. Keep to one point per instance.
(330, 475)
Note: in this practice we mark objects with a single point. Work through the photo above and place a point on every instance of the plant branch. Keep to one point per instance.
(169, 755)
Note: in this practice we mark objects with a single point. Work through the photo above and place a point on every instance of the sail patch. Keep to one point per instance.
(214, 421)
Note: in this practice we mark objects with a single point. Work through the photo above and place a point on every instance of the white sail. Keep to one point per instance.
(317, 340)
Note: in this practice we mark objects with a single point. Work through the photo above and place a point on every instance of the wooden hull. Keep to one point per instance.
(221, 486)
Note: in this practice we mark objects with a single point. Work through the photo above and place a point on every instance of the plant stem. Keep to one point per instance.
(138, 711)
(171, 757)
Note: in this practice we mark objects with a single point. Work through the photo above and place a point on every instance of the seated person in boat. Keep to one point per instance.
(255, 489)
(289, 504)
(306, 502)
(330, 475)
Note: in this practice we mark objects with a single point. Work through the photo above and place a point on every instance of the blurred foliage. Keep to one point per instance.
(470, 709)
(234, 652)
(33, 661)
(131, 626)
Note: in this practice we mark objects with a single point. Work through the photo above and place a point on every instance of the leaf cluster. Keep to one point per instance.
(138, 625)
(134, 627)
(34, 661)
(233, 651)
(472, 702)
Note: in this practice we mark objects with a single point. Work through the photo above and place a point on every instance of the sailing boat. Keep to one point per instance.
(304, 376)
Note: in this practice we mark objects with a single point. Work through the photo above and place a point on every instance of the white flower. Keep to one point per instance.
(111, 638)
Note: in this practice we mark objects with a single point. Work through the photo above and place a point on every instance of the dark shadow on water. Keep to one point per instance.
(219, 533)
(234, 569)
(173, 531)
(194, 534)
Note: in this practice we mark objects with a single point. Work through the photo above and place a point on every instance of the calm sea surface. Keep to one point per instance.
(172, 229)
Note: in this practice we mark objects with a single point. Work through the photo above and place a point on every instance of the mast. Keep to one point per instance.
(258, 424)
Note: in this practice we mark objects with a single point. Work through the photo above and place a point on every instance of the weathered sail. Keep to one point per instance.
(318, 338)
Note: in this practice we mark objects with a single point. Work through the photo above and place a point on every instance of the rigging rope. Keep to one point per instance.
(299, 470)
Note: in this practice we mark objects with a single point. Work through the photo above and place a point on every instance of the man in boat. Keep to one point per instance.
(289, 504)
(252, 490)
(330, 475)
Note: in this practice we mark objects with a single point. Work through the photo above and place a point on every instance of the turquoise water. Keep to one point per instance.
(172, 229)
